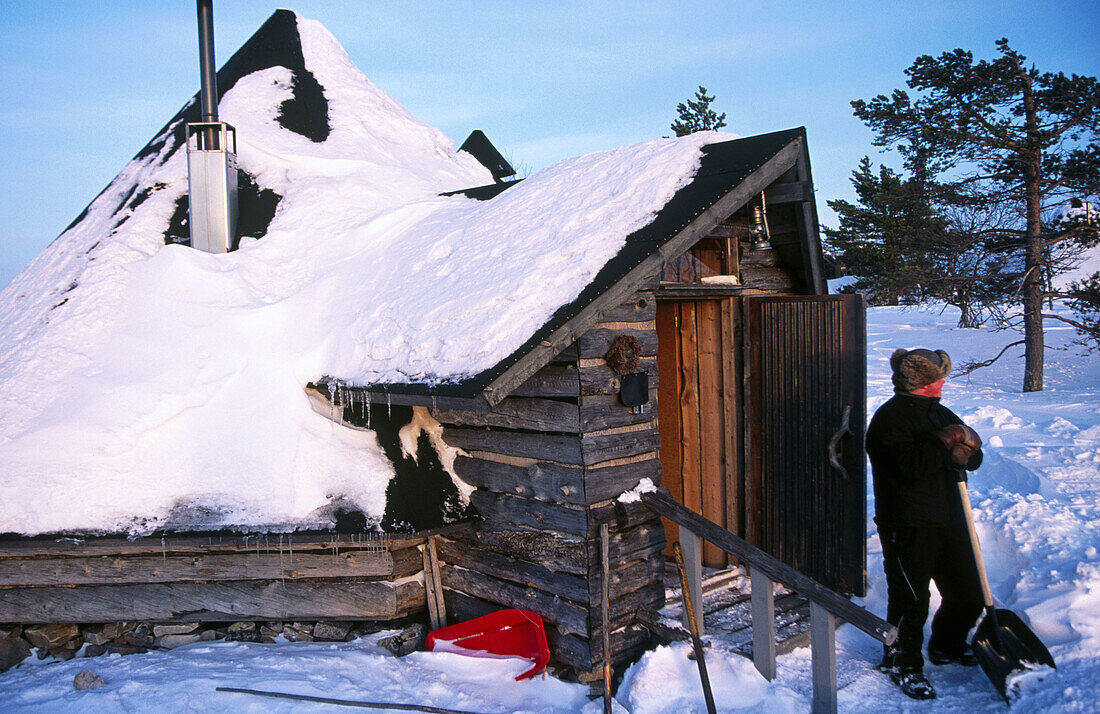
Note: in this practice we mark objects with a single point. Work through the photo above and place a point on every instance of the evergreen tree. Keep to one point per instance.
(883, 238)
(1000, 133)
(696, 115)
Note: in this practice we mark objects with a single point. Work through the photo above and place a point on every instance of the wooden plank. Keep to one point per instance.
(108, 570)
(692, 546)
(599, 379)
(731, 349)
(560, 448)
(596, 342)
(696, 291)
(605, 614)
(552, 550)
(794, 192)
(605, 483)
(751, 421)
(605, 411)
(504, 510)
(712, 434)
(512, 570)
(668, 406)
(362, 395)
(567, 616)
(555, 380)
(215, 543)
(689, 408)
(763, 624)
(770, 279)
(599, 448)
(823, 659)
(623, 515)
(435, 584)
(776, 569)
(624, 608)
(212, 602)
(626, 644)
(643, 542)
(556, 483)
(640, 307)
(518, 413)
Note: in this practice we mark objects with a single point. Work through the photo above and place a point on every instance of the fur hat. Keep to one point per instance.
(914, 369)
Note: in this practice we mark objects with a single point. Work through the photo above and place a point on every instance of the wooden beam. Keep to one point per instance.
(763, 624)
(776, 569)
(554, 483)
(794, 192)
(213, 602)
(270, 543)
(518, 413)
(117, 570)
(692, 546)
(823, 658)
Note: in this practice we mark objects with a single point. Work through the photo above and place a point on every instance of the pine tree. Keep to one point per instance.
(883, 238)
(696, 115)
(1000, 133)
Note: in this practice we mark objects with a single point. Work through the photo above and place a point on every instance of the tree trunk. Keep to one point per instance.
(1033, 278)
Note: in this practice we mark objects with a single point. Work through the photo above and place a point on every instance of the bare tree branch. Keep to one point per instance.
(969, 367)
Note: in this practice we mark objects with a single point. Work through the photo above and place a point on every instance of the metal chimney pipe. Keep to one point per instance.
(208, 92)
(211, 156)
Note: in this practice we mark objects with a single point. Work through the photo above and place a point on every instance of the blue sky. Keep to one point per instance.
(86, 84)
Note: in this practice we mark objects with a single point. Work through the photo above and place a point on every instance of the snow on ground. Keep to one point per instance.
(146, 386)
(1037, 501)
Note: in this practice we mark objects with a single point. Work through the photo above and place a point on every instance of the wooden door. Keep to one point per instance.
(805, 404)
(697, 411)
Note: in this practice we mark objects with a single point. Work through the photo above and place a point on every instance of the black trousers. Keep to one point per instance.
(913, 556)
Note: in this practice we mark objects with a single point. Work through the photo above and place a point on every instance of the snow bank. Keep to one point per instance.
(146, 385)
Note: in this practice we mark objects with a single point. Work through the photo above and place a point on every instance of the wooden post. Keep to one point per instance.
(823, 656)
(692, 546)
(433, 588)
(605, 615)
(763, 624)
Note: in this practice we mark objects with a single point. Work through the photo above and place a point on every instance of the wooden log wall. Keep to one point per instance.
(210, 579)
(548, 464)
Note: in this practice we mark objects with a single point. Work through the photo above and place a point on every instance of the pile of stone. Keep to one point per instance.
(63, 642)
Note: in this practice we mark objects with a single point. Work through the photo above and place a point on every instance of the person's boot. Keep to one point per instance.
(912, 682)
(966, 658)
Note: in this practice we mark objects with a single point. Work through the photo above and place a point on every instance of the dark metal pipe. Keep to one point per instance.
(208, 92)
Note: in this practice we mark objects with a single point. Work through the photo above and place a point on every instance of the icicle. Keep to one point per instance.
(282, 570)
(388, 406)
(366, 406)
(332, 400)
(163, 549)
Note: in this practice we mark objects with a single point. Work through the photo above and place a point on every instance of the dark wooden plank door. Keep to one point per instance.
(805, 377)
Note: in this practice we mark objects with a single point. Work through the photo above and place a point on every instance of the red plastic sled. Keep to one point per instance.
(512, 633)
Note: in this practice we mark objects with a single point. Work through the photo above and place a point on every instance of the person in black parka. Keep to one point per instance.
(919, 450)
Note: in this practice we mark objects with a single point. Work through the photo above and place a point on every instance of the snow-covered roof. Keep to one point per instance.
(142, 380)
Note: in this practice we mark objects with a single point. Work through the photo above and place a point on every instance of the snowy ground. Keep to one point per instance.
(1037, 501)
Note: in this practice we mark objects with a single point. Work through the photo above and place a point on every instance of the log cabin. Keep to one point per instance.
(701, 352)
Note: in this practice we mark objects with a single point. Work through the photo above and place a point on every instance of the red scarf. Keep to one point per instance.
(935, 389)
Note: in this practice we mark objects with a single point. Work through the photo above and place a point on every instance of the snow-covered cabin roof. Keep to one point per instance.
(146, 384)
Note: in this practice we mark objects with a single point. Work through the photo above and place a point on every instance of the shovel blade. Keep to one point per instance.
(1006, 648)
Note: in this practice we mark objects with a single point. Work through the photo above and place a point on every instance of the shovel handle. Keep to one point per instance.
(987, 595)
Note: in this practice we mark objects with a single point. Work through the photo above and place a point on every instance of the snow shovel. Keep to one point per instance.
(1002, 643)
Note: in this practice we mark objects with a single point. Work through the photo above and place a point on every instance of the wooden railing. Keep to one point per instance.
(826, 606)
